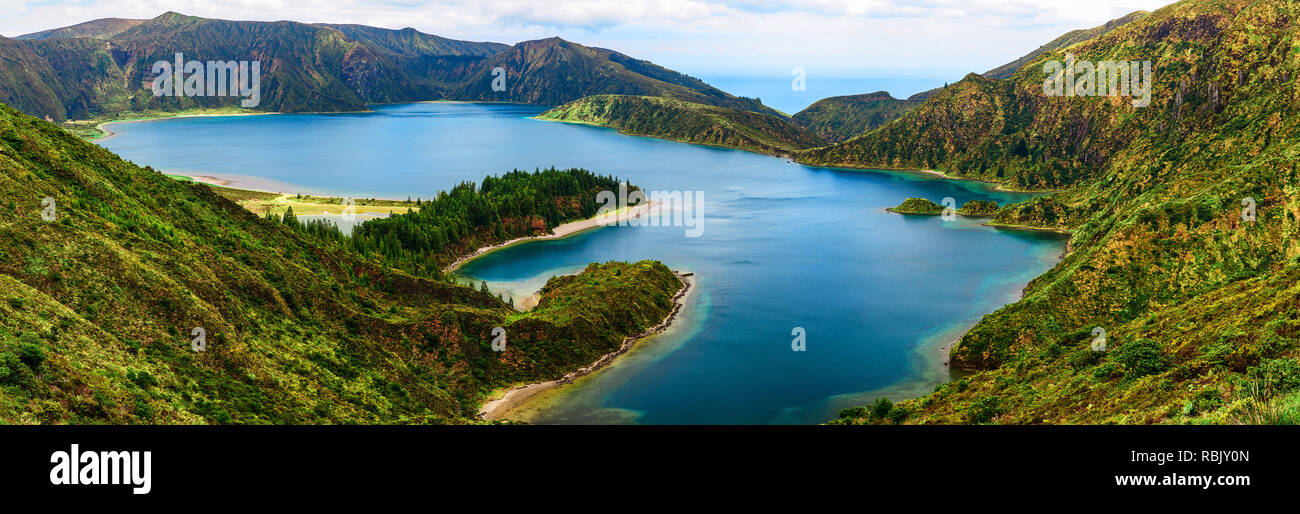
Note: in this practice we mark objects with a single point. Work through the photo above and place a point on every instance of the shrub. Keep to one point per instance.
(984, 409)
(1280, 375)
(8, 366)
(854, 412)
(1141, 358)
(882, 407)
(1190, 370)
(1083, 358)
(144, 379)
(962, 385)
(32, 354)
(143, 410)
(1205, 401)
(1104, 371)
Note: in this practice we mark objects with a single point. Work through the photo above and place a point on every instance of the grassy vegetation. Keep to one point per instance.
(687, 122)
(278, 204)
(839, 118)
(980, 208)
(1197, 302)
(91, 129)
(917, 206)
(98, 307)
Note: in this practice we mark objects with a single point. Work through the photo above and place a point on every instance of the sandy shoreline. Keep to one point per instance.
(566, 229)
(205, 179)
(496, 408)
(103, 125)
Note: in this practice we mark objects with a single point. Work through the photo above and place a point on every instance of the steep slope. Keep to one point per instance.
(437, 62)
(839, 118)
(687, 122)
(554, 71)
(966, 130)
(1194, 293)
(305, 68)
(411, 42)
(1067, 39)
(98, 29)
(101, 292)
(61, 78)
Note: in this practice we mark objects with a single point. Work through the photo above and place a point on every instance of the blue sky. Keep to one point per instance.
(934, 39)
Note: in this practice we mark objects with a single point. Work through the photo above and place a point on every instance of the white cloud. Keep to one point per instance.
(700, 37)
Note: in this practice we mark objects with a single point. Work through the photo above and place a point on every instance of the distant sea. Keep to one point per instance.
(776, 92)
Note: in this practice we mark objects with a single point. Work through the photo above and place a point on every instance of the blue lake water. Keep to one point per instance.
(783, 246)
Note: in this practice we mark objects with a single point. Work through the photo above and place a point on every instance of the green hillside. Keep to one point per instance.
(1065, 40)
(554, 71)
(99, 29)
(1198, 303)
(98, 306)
(687, 122)
(412, 43)
(839, 118)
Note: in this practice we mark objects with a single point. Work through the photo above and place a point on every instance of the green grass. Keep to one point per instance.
(688, 122)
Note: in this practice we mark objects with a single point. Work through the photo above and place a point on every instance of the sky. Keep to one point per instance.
(902, 39)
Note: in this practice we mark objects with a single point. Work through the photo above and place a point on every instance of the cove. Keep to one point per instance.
(784, 246)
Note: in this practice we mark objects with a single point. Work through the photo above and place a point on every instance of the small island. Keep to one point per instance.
(922, 206)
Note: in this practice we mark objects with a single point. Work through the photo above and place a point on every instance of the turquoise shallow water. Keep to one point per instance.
(784, 246)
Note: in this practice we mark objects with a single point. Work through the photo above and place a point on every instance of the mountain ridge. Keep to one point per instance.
(317, 68)
(839, 118)
(1069, 38)
(687, 122)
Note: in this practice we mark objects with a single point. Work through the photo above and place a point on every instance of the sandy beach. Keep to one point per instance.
(567, 229)
(103, 125)
(208, 180)
(495, 409)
